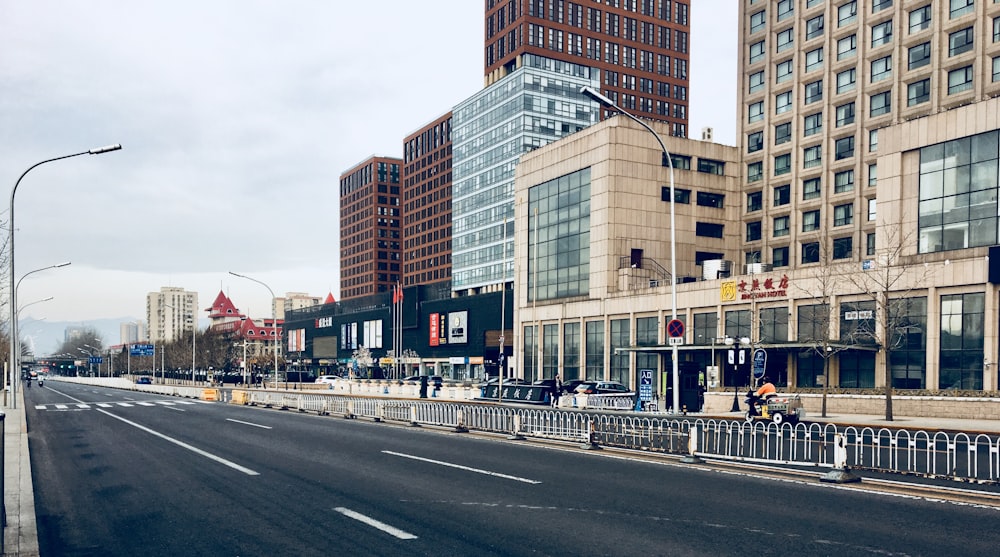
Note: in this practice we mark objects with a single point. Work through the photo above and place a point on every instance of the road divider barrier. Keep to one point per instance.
(210, 394)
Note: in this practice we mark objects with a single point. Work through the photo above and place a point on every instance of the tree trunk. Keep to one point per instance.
(826, 381)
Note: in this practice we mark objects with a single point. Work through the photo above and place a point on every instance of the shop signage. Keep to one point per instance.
(763, 288)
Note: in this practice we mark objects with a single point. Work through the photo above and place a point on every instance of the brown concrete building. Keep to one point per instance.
(641, 48)
(427, 203)
(370, 219)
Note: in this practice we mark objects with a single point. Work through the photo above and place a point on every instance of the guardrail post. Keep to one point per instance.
(460, 426)
(693, 439)
(840, 473)
(516, 434)
(350, 410)
(413, 417)
(591, 443)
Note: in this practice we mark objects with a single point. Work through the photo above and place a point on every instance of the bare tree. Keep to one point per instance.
(888, 279)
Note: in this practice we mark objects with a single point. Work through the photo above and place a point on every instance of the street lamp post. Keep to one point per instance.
(274, 318)
(666, 161)
(15, 375)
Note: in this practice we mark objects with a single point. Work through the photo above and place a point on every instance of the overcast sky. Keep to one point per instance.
(237, 119)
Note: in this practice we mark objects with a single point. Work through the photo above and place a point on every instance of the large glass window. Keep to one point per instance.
(530, 357)
(571, 351)
(774, 324)
(958, 193)
(550, 350)
(595, 350)
(646, 331)
(857, 370)
(559, 242)
(738, 323)
(620, 360)
(907, 362)
(920, 19)
(962, 318)
(706, 327)
(814, 323)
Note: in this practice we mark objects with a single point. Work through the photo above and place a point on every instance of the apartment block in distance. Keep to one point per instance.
(171, 312)
(639, 47)
(370, 231)
(427, 203)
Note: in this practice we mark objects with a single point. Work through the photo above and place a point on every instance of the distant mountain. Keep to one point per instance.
(46, 337)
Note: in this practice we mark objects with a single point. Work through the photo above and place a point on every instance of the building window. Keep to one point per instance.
(811, 188)
(755, 142)
(847, 13)
(812, 156)
(780, 226)
(755, 201)
(783, 71)
(785, 39)
(843, 181)
(872, 210)
(872, 141)
(785, 9)
(562, 247)
(782, 164)
(919, 56)
(844, 148)
(918, 92)
(958, 194)
(847, 47)
(814, 27)
(782, 133)
(711, 166)
(961, 7)
(882, 33)
(843, 214)
(857, 370)
(706, 328)
(755, 112)
(814, 59)
(681, 195)
(960, 41)
(753, 231)
(870, 244)
(879, 5)
(810, 252)
(845, 114)
(845, 80)
(872, 174)
(812, 3)
(782, 102)
(810, 220)
(814, 91)
(996, 29)
(757, 51)
(755, 171)
(812, 124)
(774, 324)
(595, 350)
(879, 104)
(680, 162)
(646, 331)
(843, 248)
(909, 355)
(962, 340)
(756, 81)
(996, 69)
(707, 199)
(920, 19)
(881, 69)
(620, 335)
(782, 195)
(779, 257)
(960, 80)
(708, 229)
(571, 351)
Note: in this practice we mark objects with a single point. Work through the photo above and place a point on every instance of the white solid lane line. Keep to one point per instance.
(466, 468)
(391, 530)
(248, 423)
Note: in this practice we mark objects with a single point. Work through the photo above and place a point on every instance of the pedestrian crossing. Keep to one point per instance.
(119, 404)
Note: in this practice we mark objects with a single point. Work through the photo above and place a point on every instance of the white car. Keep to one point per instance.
(328, 379)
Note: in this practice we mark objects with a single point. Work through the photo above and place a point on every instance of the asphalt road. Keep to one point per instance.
(128, 473)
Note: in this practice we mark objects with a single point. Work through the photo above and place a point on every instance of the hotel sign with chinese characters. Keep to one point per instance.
(754, 289)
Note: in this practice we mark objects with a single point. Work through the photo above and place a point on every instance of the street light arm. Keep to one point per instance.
(601, 99)
(274, 323)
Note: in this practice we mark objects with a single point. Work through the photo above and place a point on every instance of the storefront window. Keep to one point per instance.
(571, 351)
(620, 360)
(595, 350)
(909, 341)
(529, 360)
(550, 351)
(962, 317)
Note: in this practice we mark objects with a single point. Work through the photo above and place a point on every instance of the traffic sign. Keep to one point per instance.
(645, 385)
(141, 350)
(675, 328)
(675, 341)
(759, 362)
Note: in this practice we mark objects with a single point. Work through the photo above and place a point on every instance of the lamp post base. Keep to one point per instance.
(736, 400)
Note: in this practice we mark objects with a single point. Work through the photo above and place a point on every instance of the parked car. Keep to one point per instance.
(602, 388)
(570, 386)
(432, 380)
(328, 379)
(144, 381)
(506, 381)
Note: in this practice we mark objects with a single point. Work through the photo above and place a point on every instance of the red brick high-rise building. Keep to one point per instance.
(640, 46)
(370, 228)
(427, 203)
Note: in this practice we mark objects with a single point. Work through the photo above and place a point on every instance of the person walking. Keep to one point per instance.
(556, 391)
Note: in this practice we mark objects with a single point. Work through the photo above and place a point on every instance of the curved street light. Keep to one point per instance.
(605, 101)
(274, 319)
(17, 357)
(16, 373)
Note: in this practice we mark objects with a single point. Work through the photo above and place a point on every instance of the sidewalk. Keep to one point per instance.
(20, 535)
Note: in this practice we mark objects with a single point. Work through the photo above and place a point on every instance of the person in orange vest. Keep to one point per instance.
(767, 389)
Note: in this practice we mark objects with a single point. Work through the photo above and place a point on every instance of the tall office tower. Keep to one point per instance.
(536, 104)
(639, 46)
(427, 203)
(132, 332)
(819, 79)
(370, 232)
(170, 313)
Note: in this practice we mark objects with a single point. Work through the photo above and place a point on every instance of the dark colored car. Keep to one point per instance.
(570, 386)
(144, 381)
(432, 380)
